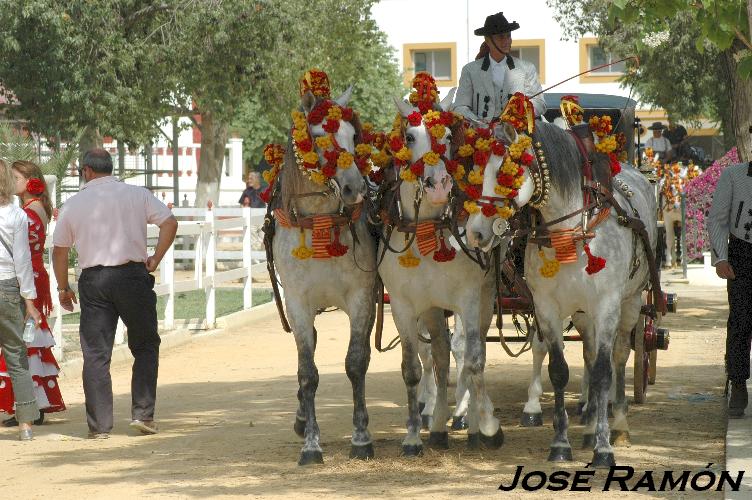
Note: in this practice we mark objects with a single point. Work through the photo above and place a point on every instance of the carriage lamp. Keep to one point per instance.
(662, 338)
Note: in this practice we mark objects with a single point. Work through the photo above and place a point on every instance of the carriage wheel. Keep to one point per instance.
(641, 363)
(652, 366)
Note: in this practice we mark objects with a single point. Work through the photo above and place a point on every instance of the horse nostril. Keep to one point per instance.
(347, 191)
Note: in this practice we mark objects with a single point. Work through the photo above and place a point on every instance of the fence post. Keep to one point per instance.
(198, 262)
(168, 276)
(57, 327)
(247, 264)
(211, 263)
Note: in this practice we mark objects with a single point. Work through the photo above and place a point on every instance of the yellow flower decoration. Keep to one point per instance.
(299, 135)
(505, 212)
(324, 142)
(459, 174)
(403, 154)
(438, 131)
(483, 144)
(334, 113)
(407, 175)
(380, 159)
(367, 127)
(475, 177)
(471, 207)
(363, 149)
(318, 177)
(302, 252)
(345, 160)
(431, 115)
(431, 158)
(518, 182)
(466, 150)
(408, 259)
(502, 190)
(470, 133)
(310, 157)
(509, 167)
(549, 267)
(296, 115)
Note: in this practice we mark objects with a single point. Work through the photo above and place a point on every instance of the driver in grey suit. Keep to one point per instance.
(487, 83)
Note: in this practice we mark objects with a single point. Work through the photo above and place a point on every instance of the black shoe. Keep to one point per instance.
(40, 420)
(11, 422)
(738, 399)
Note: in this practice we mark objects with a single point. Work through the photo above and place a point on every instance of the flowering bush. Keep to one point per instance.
(699, 198)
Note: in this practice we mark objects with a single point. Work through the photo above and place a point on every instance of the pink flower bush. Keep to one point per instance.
(699, 198)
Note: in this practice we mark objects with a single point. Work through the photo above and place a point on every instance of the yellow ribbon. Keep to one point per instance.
(520, 112)
(571, 111)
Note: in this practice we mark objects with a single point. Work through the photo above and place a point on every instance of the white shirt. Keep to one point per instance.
(498, 71)
(731, 212)
(14, 230)
(106, 222)
(659, 144)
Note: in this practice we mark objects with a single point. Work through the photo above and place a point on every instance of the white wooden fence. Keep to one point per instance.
(204, 227)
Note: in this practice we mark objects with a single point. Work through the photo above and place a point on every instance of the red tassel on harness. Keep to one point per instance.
(335, 248)
(615, 165)
(444, 253)
(594, 264)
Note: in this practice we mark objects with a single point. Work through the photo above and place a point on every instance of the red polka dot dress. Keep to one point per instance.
(42, 364)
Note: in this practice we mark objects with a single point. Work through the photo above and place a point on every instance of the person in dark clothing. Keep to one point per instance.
(250, 197)
(675, 135)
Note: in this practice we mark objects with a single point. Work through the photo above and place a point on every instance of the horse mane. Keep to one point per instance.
(565, 160)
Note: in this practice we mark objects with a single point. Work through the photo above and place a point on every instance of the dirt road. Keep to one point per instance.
(227, 403)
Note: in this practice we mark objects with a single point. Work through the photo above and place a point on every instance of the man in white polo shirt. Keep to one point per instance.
(106, 223)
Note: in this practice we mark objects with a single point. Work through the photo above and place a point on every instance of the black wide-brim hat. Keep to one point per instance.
(656, 126)
(496, 24)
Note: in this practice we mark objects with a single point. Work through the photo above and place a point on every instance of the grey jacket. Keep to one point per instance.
(731, 212)
(477, 98)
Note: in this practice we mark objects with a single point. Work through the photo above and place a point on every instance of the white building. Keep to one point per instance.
(437, 36)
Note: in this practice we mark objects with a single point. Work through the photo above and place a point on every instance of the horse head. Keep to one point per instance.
(423, 151)
(507, 186)
(333, 130)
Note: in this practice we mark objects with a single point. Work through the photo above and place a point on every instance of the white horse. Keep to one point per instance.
(427, 289)
(312, 284)
(609, 300)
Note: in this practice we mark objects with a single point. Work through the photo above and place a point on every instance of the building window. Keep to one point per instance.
(532, 51)
(438, 59)
(591, 56)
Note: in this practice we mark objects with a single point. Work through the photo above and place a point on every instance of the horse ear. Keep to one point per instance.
(308, 101)
(446, 103)
(404, 108)
(345, 97)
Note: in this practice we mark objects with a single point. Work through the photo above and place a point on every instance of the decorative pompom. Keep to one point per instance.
(335, 248)
(594, 264)
(549, 267)
(444, 253)
(408, 259)
(302, 252)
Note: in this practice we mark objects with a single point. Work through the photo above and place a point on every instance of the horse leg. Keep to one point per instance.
(436, 324)
(668, 223)
(427, 385)
(301, 320)
(558, 372)
(603, 455)
(586, 329)
(630, 314)
(407, 325)
(461, 392)
(532, 414)
(362, 315)
(483, 428)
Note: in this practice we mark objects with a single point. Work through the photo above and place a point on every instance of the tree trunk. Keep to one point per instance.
(213, 142)
(740, 97)
(90, 139)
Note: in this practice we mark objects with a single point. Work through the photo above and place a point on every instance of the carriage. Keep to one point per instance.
(517, 302)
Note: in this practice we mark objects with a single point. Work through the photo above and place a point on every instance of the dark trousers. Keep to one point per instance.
(740, 311)
(107, 293)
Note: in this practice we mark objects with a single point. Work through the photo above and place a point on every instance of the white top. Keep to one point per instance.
(659, 144)
(106, 222)
(498, 71)
(731, 212)
(14, 230)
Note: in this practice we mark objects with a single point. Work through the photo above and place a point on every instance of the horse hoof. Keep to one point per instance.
(560, 454)
(620, 438)
(421, 407)
(473, 441)
(362, 451)
(580, 408)
(426, 420)
(531, 419)
(412, 450)
(310, 457)
(492, 442)
(459, 423)
(439, 440)
(603, 460)
(588, 441)
(299, 427)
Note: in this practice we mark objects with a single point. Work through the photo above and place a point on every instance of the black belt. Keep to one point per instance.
(120, 266)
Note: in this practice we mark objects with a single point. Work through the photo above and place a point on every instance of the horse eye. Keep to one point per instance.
(428, 183)
(410, 138)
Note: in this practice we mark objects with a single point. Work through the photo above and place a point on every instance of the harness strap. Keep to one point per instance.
(269, 230)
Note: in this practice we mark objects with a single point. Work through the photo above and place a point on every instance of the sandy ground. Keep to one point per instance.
(227, 403)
